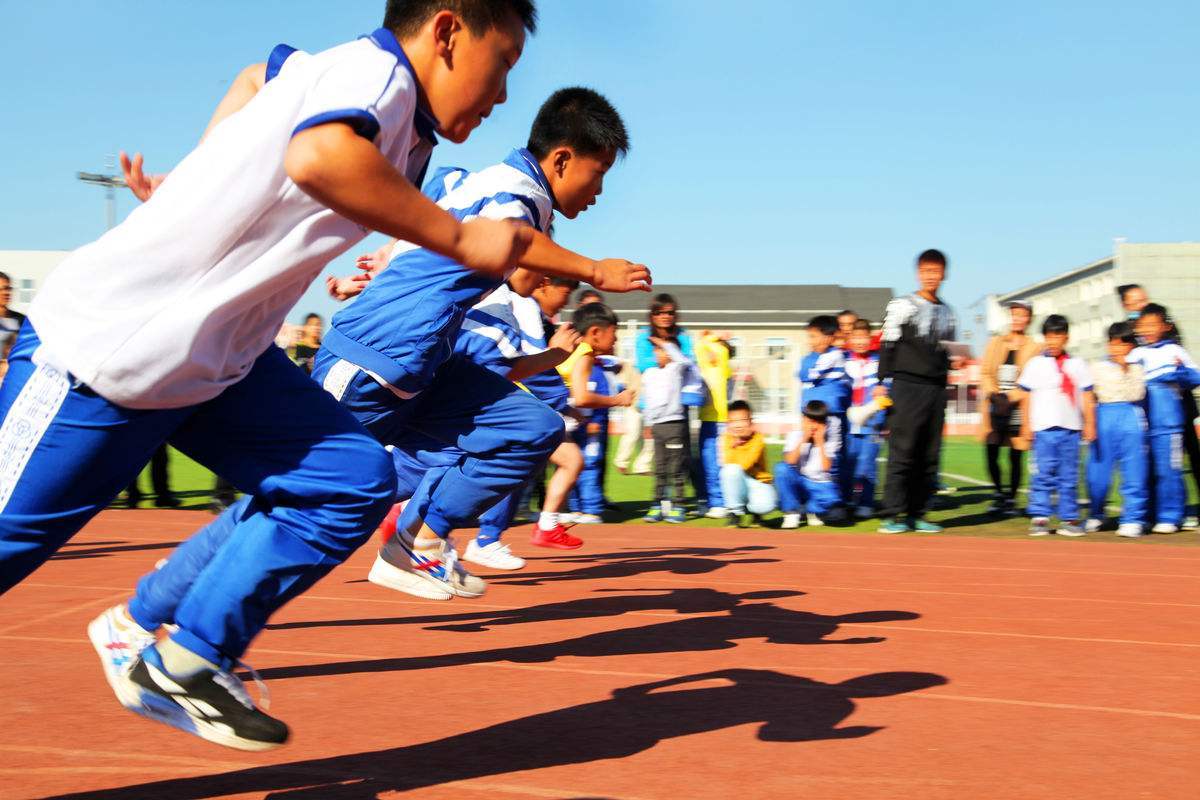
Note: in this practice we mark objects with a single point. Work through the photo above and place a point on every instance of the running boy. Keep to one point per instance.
(805, 479)
(745, 479)
(1121, 441)
(1168, 368)
(285, 179)
(1056, 410)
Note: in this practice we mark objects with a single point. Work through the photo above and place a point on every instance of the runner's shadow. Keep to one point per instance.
(785, 708)
(628, 564)
(681, 601)
(764, 621)
(91, 550)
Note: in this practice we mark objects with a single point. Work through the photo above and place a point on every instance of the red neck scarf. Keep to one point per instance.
(858, 394)
(1068, 385)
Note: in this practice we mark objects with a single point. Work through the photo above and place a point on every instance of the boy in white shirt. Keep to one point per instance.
(1056, 411)
(662, 389)
(805, 477)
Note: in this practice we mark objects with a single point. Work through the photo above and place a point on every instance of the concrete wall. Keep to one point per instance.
(28, 268)
(1171, 275)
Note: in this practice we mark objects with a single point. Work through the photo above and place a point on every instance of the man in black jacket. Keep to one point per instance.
(914, 359)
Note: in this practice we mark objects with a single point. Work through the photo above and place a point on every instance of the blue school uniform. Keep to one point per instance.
(1122, 441)
(859, 469)
(587, 495)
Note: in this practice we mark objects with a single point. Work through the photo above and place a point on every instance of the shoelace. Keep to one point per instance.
(233, 684)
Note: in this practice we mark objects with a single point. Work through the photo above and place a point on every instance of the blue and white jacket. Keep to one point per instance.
(863, 374)
(1168, 368)
(823, 377)
(405, 324)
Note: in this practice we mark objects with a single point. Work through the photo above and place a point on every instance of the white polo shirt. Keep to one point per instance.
(1049, 405)
(811, 463)
(177, 302)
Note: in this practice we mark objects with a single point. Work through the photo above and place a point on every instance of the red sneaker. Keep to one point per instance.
(557, 538)
(387, 528)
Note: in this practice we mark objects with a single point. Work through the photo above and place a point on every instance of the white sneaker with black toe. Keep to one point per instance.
(118, 640)
(496, 555)
(790, 522)
(1130, 530)
(209, 703)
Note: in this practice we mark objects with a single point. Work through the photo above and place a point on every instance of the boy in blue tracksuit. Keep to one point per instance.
(1057, 412)
(865, 417)
(806, 478)
(822, 373)
(1168, 369)
(1121, 435)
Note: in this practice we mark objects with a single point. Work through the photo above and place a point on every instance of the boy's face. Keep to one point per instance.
(846, 324)
(577, 180)
(312, 328)
(475, 75)
(1151, 328)
(603, 339)
(1135, 299)
(1119, 349)
(661, 357)
(860, 341)
(930, 277)
(818, 342)
(811, 425)
(1056, 343)
(552, 299)
(740, 424)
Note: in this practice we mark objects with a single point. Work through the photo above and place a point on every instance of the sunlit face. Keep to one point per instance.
(5, 292)
(603, 339)
(1151, 328)
(553, 299)
(578, 179)
(1135, 299)
(476, 80)
(664, 318)
(1119, 349)
(739, 423)
(1020, 318)
(1056, 343)
(818, 342)
(930, 277)
(660, 357)
(313, 328)
(846, 323)
(860, 341)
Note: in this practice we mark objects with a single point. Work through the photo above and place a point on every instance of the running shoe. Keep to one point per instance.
(813, 521)
(1165, 527)
(790, 522)
(655, 514)
(496, 555)
(925, 526)
(1190, 523)
(676, 516)
(893, 526)
(434, 574)
(118, 640)
(1131, 530)
(556, 538)
(1094, 525)
(717, 512)
(1040, 526)
(1071, 529)
(588, 519)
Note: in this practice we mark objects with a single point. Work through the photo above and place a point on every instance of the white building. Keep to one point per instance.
(28, 268)
(1087, 295)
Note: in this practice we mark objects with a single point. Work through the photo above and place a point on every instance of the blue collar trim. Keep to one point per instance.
(524, 161)
(424, 120)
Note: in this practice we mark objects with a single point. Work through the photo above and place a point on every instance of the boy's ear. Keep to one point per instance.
(446, 26)
(560, 157)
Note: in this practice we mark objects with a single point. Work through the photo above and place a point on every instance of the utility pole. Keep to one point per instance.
(110, 181)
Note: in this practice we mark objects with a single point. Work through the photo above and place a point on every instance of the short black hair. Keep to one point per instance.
(825, 323)
(1155, 310)
(557, 281)
(4, 276)
(593, 315)
(312, 315)
(1056, 323)
(816, 410)
(581, 119)
(1126, 288)
(589, 292)
(405, 17)
(862, 324)
(847, 312)
(739, 405)
(1122, 331)
(932, 256)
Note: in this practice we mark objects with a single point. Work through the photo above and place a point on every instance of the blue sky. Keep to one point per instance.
(788, 142)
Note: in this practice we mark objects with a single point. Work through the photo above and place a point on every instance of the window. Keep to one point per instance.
(775, 400)
(25, 295)
(778, 348)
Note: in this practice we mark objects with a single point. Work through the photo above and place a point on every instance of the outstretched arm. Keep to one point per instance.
(610, 274)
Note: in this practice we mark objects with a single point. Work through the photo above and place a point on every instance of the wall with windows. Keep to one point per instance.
(28, 268)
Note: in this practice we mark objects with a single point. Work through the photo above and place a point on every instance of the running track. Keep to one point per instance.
(658, 662)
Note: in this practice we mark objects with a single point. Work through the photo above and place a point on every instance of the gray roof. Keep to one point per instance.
(759, 306)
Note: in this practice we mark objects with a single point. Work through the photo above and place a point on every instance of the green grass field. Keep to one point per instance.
(963, 513)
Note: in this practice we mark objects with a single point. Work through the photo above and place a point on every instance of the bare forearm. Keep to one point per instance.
(346, 173)
(247, 84)
(526, 366)
(549, 258)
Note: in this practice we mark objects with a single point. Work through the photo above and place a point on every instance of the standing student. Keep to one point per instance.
(1057, 411)
(914, 360)
(587, 496)
(845, 323)
(10, 320)
(1000, 422)
(1121, 439)
(865, 418)
(713, 354)
(664, 324)
(304, 351)
(1169, 371)
(305, 154)
(662, 389)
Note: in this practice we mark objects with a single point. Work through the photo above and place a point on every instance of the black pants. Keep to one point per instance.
(159, 479)
(1190, 444)
(916, 421)
(1014, 466)
(672, 458)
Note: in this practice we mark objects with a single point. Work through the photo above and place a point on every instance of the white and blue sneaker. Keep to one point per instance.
(431, 574)
(496, 555)
(118, 640)
(209, 703)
